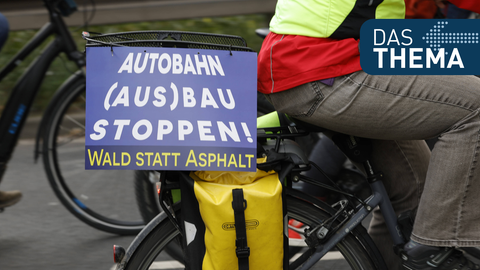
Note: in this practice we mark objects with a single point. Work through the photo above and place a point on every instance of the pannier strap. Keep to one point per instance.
(239, 204)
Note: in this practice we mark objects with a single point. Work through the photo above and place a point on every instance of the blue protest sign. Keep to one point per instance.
(420, 47)
(170, 109)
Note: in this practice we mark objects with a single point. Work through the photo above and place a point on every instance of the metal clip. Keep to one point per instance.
(322, 232)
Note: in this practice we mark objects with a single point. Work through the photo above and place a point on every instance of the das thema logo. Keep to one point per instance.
(420, 47)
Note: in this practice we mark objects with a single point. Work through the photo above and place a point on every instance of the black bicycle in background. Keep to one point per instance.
(102, 199)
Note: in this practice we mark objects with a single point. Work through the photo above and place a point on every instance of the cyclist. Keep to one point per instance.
(7, 198)
(309, 68)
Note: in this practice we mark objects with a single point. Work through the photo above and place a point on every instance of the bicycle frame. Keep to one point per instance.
(25, 90)
(379, 198)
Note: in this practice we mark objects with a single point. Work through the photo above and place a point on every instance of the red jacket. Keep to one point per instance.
(286, 61)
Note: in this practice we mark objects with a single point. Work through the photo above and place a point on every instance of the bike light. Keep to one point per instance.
(159, 185)
(118, 253)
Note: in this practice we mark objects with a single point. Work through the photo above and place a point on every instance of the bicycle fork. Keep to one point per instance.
(353, 222)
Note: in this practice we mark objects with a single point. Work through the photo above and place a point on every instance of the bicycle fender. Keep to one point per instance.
(141, 236)
(79, 75)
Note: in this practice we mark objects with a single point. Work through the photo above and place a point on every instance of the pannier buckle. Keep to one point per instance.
(242, 251)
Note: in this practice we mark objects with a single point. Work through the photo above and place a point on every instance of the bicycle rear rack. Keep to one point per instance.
(171, 39)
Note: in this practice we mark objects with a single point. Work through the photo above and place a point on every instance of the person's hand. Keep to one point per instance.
(440, 3)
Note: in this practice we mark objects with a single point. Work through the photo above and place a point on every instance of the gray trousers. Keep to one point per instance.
(398, 113)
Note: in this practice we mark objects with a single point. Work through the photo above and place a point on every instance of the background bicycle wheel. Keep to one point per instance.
(84, 192)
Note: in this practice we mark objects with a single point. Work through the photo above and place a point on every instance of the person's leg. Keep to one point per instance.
(4, 29)
(410, 108)
(404, 184)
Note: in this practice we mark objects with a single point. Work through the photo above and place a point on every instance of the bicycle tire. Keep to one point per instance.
(148, 205)
(354, 252)
(98, 198)
(146, 194)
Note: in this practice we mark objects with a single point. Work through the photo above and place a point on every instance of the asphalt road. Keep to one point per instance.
(39, 233)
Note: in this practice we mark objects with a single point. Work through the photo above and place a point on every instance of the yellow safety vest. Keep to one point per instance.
(337, 19)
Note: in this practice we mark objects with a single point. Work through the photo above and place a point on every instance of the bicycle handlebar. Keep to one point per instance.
(66, 7)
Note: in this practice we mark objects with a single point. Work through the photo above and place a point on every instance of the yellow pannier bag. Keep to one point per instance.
(212, 230)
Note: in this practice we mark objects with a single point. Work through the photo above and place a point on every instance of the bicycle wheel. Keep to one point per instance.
(104, 199)
(350, 253)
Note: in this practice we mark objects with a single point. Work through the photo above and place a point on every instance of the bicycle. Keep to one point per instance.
(331, 229)
(60, 137)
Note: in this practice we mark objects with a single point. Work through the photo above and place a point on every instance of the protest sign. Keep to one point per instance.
(170, 109)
